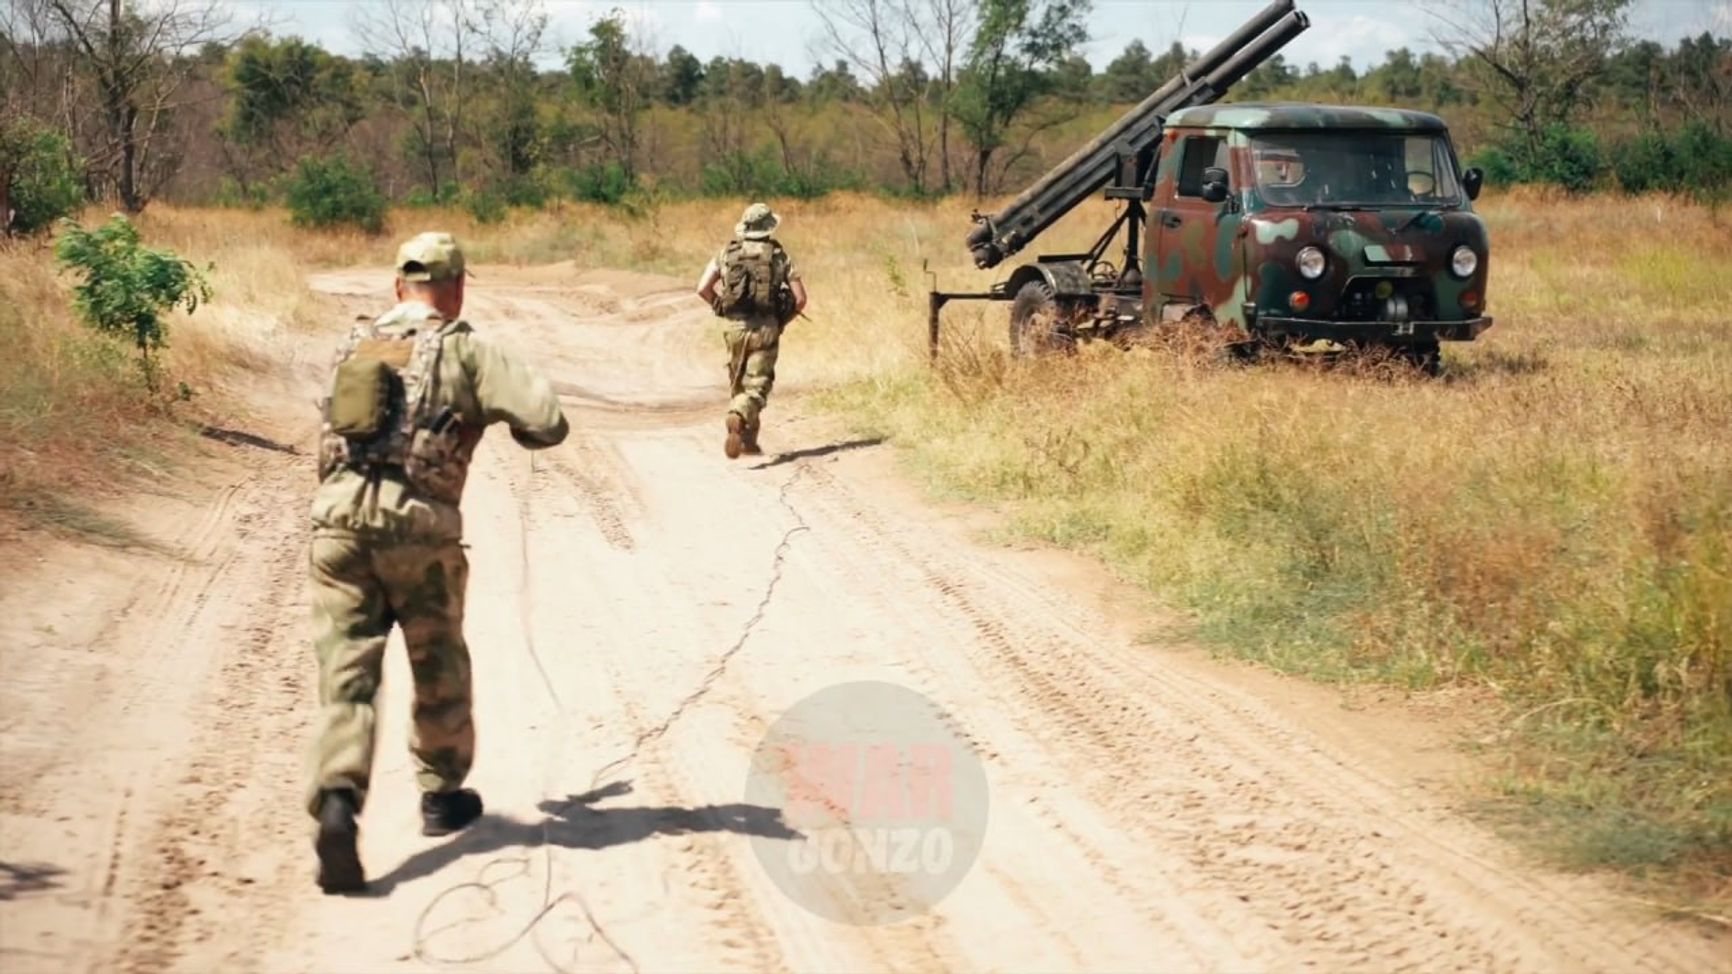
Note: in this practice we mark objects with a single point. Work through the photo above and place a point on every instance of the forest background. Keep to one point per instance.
(472, 102)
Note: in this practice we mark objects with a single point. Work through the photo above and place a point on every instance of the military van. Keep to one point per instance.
(1304, 225)
(1294, 227)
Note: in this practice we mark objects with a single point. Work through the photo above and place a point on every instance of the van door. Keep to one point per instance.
(1186, 224)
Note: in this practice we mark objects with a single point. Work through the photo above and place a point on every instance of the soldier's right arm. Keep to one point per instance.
(707, 282)
(796, 285)
(509, 391)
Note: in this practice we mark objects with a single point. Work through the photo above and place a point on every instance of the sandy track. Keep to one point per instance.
(1147, 811)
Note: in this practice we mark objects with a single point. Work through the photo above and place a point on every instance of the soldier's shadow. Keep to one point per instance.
(574, 823)
(818, 451)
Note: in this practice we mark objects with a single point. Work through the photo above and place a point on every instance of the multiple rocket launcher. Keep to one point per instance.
(1134, 137)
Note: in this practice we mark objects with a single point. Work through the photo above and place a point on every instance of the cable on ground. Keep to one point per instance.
(549, 901)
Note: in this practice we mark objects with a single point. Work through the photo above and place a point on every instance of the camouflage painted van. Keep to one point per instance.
(1301, 223)
(1293, 227)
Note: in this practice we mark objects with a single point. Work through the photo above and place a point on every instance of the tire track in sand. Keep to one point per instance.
(1252, 807)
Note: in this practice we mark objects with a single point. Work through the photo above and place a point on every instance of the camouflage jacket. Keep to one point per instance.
(484, 385)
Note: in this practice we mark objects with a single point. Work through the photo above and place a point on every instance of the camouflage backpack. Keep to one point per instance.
(754, 280)
(379, 412)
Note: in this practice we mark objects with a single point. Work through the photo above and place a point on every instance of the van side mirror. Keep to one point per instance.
(1472, 181)
(1215, 184)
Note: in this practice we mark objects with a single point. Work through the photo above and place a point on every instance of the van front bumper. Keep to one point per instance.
(1392, 332)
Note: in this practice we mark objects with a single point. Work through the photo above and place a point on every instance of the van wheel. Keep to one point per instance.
(1038, 324)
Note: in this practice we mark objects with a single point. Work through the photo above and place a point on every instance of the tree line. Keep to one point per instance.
(468, 101)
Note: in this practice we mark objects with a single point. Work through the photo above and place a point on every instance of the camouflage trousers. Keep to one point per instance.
(361, 589)
(752, 347)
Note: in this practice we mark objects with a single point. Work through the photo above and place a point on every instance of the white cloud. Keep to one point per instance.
(708, 12)
(1361, 38)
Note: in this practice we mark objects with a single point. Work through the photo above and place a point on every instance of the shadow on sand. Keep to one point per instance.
(573, 823)
(818, 451)
(23, 878)
(243, 438)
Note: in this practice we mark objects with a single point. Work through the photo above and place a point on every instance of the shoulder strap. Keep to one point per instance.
(421, 376)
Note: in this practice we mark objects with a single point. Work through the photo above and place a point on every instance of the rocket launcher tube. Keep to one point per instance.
(1002, 234)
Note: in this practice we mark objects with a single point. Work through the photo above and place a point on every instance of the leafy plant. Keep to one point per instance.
(333, 192)
(420, 198)
(128, 289)
(1567, 156)
(598, 183)
(486, 206)
(1694, 160)
(39, 176)
(760, 174)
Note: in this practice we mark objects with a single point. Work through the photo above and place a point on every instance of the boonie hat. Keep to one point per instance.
(757, 223)
(430, 257)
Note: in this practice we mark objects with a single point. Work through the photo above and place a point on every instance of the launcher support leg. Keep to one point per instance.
(934, 301)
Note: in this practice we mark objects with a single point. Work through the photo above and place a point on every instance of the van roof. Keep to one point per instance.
(1299, 115)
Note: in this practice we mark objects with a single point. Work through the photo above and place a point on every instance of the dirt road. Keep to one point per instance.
(642, 612)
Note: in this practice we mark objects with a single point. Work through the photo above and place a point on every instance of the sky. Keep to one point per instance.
(786, 31)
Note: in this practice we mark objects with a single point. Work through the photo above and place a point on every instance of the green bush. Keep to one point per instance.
(41, 173)
(1566, 156)
(529, 192)
(598, 183)
(1694, 160)
(232, 194)
(420, 198)
(1500, 169)
(761, 174)
(127, 288)
(333, 192)
(486, 206)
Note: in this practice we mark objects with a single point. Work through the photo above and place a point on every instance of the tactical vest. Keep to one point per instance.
(379, 414)
(754, 281)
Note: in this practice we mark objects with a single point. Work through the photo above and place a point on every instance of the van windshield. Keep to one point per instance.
(1355, 168)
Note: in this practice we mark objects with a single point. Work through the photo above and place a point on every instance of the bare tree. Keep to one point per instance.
(1017, 46)
(34, 74)
(732, 91)
(616, 74)
(887, 42)
(1535, 59)
(951, 27)
(513, 32)
(137, 59)
(426, 42)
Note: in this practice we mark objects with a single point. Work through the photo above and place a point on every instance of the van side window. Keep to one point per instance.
(1200, 152)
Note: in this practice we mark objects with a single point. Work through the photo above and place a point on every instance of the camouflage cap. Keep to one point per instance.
(757, 223)
(430, 257)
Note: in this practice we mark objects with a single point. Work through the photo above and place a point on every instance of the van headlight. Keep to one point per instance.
(1312, 263)
(1463, 262)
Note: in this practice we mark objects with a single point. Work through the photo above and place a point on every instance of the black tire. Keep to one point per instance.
(1038, 323)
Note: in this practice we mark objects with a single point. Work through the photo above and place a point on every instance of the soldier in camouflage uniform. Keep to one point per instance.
(386, 547)
(754, 325)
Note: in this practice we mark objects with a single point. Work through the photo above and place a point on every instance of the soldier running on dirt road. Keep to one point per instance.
(754, 285)
(410, 396)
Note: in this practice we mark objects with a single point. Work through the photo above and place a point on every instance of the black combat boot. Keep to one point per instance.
(339, 859)
(445, 812)
(736, 436)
